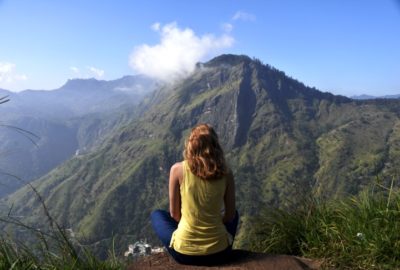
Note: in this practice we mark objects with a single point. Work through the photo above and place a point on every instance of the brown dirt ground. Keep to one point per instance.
(241, 259)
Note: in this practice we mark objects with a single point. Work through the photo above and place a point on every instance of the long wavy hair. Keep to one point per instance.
(204, 154)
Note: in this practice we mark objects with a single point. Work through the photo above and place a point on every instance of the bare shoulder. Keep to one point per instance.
(176, 172)
(177, 167)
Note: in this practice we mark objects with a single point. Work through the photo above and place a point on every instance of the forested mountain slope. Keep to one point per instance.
(41, 129)
(284, 141)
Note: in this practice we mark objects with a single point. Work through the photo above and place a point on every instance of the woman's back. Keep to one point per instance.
(194, 230)
(200, 230)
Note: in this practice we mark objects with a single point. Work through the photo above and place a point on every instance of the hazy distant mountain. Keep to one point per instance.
(284, 141)
(78, 97)
(66, 121)
(365, 97)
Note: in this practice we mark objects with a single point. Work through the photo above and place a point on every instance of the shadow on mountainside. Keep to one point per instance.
(240, 259)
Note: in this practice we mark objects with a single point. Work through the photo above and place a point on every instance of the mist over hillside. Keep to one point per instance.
(42, 129)
(283, 140)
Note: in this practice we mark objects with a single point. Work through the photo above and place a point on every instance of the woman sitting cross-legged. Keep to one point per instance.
(196, 231)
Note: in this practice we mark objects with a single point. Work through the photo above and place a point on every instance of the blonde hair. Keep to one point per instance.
(204, 154)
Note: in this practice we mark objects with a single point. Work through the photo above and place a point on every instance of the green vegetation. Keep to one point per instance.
(53, 248)
(49, 248)
(15, 255)
(283, 140)
(360, 232)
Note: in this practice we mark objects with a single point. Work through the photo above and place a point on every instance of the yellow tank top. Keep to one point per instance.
(200, 230)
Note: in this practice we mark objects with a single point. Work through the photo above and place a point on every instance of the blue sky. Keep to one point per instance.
(344, 47)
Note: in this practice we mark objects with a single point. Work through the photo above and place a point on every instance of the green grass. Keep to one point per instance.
(48, 248)
(359, 232)
(58, 255)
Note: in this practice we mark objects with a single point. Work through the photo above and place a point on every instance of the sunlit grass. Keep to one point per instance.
(360, 232)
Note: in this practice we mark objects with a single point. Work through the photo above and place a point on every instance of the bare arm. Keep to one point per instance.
(176, 173)
(229, 199)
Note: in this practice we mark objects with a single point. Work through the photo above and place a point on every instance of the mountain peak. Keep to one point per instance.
(227, 59)
(77, 84)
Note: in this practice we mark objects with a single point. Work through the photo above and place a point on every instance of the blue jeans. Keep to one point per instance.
(164, 225)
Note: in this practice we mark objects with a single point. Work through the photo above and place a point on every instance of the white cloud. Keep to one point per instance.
(8, 73)
(244, 16)
(156, 26)
(74, 70)
(227, 27)
(177, 53)
(87, 72)
(98, 73)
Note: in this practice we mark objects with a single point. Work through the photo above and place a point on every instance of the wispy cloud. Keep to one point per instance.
(244, 16)
(74, 70)
(98, 73)
(8, 73)
(156, 26)
(87, 72)
(177, 52)
(227, 27)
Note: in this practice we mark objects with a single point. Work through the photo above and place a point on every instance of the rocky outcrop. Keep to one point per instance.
(241, 259)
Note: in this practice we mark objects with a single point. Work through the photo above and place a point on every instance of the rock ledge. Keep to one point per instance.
(241, 259)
